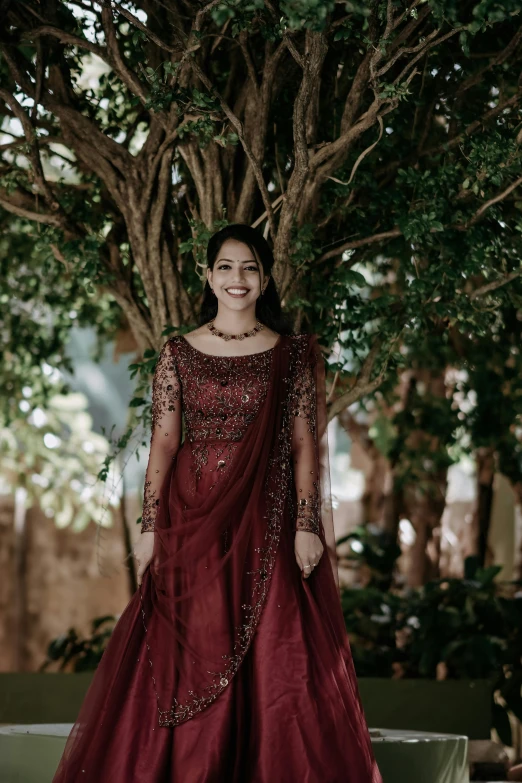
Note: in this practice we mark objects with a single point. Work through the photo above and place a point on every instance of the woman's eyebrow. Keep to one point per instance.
(247, 261)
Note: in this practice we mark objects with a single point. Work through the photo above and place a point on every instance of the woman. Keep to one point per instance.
(231, 663)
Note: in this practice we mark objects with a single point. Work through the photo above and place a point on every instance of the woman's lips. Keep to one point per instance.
(237, 296)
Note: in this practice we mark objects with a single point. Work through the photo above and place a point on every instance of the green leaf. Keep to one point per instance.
(136, 402)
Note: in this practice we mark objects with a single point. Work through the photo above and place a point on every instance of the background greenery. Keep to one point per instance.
(376, 144)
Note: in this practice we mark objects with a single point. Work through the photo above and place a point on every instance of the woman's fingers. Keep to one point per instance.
(302, 565)
(142, 567)
(308, 552)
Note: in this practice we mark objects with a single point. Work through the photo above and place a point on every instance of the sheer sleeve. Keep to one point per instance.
(304, 451)
(165, 432)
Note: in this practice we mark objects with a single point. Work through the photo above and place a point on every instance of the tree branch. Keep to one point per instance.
(316, 50)
(499, 197)
(127, 76)
(15, 203)
(485, 289)
(356, 243)
(243, 43)
(138, 24)
(65, 38)
(498, 59)
(396, 232)
(236, 123)
(362, 385)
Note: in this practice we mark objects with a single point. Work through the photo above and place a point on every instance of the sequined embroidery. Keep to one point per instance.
(246, 377)
(304, 405)
(165, 432)
(233, 388)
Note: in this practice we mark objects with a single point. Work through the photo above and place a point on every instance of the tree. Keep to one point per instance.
(376, 144)
(263, 110)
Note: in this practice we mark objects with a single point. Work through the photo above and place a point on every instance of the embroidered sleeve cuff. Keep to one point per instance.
(307, 516)
(309, 525)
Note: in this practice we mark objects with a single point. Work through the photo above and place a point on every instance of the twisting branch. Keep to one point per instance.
(31, 140)
(292, 48)
(422, 52)
(237, 124)
(384, 46)
(32, 143)
(315, 53)
(363, 154)
(363, 385)
(20, 204)
(407, 50)
(126, 75)
(356, 243)
(158, 157)
(485, 289)
(243, 43)
(327, 151)
(203, 12)
(499, 197)
(65, 38)
(138, 24)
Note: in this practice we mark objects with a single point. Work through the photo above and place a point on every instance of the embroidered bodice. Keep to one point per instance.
(216, 398)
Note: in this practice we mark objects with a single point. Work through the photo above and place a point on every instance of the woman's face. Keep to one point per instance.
(237, 276)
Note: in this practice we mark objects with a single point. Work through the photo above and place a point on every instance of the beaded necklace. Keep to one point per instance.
(224, 336)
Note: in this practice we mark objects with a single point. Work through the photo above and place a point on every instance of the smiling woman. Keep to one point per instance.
(240, 299)
(231, 662)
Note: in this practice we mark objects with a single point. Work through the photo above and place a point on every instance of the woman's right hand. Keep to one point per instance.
(142, 551)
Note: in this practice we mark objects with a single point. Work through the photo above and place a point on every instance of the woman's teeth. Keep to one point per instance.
(237, 292)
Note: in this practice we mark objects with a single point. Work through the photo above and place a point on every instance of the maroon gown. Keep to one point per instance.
(227, 665)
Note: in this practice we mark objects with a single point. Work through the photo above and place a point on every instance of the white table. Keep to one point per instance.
(30, 754)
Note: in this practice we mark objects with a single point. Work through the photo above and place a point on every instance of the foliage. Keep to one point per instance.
(410, 139)
(54, 456)
(376, 549)
(448, 629)
(74, 652)
(42, 300)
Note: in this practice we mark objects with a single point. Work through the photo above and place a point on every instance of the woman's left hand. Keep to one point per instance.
(308, 551)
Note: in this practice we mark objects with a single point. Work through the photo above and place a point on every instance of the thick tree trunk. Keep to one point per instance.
(482, 513)
(376, 489)
(425, 497)
(425, 515)
(393, 508)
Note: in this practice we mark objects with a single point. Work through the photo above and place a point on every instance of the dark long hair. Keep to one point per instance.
(268, 306)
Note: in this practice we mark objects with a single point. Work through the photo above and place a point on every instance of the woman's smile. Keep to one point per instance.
(237, 293)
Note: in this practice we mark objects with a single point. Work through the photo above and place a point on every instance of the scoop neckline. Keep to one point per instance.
(240, 356)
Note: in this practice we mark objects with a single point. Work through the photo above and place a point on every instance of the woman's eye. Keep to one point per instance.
(247, 268)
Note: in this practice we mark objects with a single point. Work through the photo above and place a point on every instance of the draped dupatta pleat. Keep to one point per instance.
(206, 597)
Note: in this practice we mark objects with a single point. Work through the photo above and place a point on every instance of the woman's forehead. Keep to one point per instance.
(234, 250)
